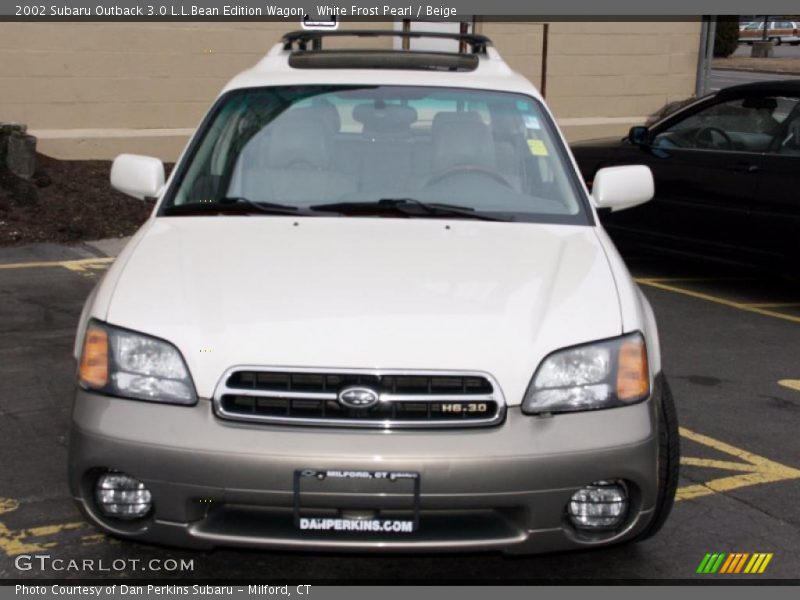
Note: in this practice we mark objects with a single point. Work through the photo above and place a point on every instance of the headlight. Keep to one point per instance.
(599, 375)
(124, 363)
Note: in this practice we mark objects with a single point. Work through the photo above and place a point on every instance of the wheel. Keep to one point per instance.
(775, 40)
(669, 456)
(458, 169)
(795, 43)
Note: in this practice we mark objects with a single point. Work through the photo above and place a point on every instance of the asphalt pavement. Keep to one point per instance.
(722, 78)
(730, 342)
(782, 51)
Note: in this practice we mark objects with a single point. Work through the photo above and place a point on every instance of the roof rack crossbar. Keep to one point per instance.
(302, 38)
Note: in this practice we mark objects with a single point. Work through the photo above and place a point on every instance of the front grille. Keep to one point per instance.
(406, 399)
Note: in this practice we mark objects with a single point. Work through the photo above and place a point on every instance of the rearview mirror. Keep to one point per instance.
(618, 188)
(639, 135)
(138, 176)
(759, 103)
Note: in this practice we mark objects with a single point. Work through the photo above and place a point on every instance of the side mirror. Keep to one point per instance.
(639, 135)
(618, 188)
(138, 176)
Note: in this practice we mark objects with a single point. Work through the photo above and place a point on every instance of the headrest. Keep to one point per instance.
(329, 114)
(508, 125)
(389, 118)
(299, 138)
(461, 138)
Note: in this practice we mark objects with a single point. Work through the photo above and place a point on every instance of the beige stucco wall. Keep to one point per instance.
(93, 90)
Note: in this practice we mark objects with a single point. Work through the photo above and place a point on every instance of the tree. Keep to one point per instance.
(727, 39)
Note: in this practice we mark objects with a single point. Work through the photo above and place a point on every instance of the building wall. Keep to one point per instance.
(603, 77)
(93, 90)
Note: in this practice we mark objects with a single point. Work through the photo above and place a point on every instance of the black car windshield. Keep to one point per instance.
(324, 149)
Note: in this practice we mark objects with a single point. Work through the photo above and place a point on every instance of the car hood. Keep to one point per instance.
(366, 293)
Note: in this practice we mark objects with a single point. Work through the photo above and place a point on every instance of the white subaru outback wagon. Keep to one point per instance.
(374, 308)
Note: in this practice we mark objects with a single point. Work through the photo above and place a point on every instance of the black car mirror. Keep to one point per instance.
(639, 135)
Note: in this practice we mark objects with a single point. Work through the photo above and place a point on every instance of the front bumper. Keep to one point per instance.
(219, 483)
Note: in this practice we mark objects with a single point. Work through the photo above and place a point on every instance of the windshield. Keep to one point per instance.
(304, 147)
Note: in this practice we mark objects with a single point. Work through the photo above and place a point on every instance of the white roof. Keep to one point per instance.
(492, 73)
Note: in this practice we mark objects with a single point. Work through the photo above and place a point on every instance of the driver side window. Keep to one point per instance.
(741, 125)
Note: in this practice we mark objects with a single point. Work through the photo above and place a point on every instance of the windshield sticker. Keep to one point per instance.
(538, 148)
(532, 122)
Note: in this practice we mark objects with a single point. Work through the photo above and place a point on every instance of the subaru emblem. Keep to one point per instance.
(358, 397)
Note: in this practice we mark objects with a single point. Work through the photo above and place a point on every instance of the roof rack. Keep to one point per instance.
(299, 40)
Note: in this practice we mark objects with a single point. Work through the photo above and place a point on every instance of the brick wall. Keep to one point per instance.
(92, 90)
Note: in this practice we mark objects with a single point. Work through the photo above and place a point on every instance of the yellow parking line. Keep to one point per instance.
(52, 529)
(8, 505)
(25, 541)
(93, 538)
(695, 279)
(771, 304)
(708, 297)
(758, 470)
(718, 464)
(20, 542)
(73, 265)
(792, 384)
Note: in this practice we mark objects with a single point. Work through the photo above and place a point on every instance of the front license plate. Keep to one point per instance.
(403, 484)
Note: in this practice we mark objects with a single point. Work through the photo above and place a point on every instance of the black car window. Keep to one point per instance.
(748, 124)
(787, 141)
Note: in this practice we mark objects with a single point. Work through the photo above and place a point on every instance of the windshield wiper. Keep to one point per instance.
(232, 205)
(409, 207)
(267, 207)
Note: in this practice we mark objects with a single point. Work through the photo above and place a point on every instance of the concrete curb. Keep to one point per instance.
(746, 70)
(43, 252)
(107, 247)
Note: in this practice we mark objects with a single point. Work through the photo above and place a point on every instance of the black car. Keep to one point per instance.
(727, 175)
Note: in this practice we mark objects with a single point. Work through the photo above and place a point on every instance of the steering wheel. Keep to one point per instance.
(459, 169)
(704, 138)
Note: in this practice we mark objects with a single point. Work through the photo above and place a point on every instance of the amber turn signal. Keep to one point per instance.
(93, 370)
(633, 377)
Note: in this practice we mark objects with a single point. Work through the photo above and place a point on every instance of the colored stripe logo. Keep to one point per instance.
(734, 562)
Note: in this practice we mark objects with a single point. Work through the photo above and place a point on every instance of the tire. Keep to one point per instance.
(669, 456)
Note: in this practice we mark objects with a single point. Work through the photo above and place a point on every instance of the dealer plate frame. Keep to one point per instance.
(300, 474)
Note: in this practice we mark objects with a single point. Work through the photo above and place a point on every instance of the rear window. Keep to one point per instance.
(309, 145)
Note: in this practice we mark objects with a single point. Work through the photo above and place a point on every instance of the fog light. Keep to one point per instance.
(601, 505)
(121, 496)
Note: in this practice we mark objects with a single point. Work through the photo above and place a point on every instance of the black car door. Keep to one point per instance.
(706, 162)
(776, 212)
